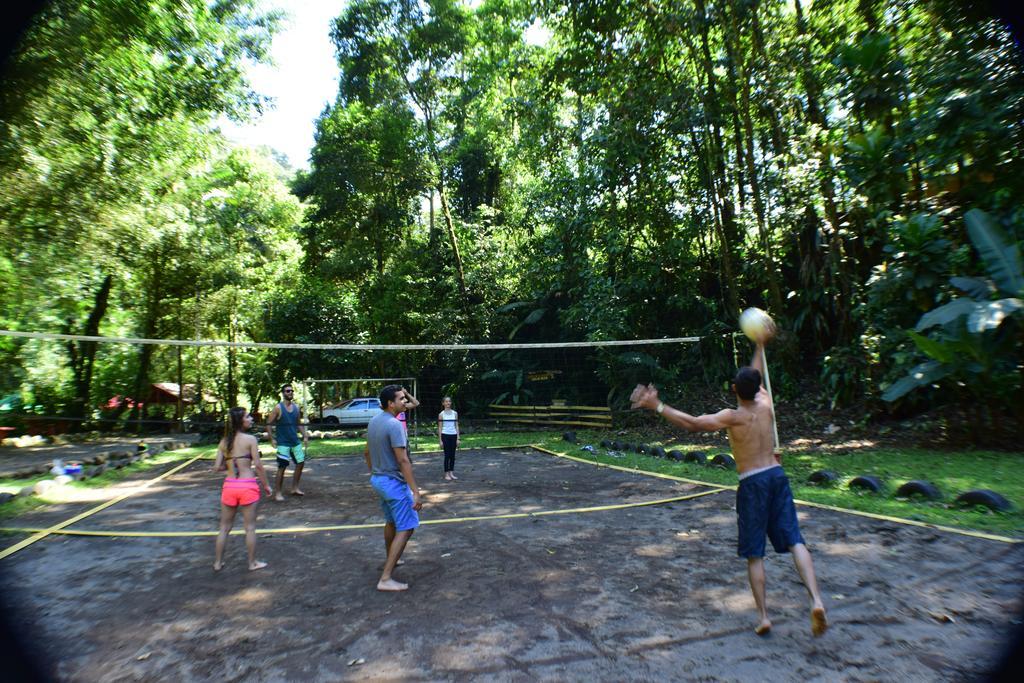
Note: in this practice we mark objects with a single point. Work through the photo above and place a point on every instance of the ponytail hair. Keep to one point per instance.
(232, 426)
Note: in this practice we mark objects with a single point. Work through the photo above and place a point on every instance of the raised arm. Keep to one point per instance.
(646, 397)
(410, 400)
(757, 362)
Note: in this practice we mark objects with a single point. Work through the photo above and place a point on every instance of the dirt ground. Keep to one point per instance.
(639, 593)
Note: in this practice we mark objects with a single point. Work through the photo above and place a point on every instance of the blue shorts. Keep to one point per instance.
(293, 453)
(396, 502)
(764, 505)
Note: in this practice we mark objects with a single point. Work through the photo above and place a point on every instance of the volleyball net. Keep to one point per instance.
(172, 384)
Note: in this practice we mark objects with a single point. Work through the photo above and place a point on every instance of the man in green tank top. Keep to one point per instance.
(287, 415)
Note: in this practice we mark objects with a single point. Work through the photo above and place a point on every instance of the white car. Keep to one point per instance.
(355, 411)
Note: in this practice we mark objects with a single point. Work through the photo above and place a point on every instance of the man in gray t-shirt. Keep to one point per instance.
(391, 477)
(383, 435)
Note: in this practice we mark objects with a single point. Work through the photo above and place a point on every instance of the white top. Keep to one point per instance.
(758, 470)
(449, 421)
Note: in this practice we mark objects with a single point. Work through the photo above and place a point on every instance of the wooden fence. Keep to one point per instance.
(595, 417)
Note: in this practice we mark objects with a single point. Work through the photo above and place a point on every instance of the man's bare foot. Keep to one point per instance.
(217, 566)
(764, 628)
(819, 623)
(297, 492)
(257, 565)
(391, 585)
(278, 497)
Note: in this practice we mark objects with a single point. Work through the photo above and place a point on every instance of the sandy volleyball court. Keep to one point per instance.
(607, 589)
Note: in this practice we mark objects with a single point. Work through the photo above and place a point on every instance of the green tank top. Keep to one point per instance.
(288, 425)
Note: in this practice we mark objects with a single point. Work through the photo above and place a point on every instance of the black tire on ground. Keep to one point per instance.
(823, 477)
(618, 446)
(658, 452)
(697, 457)
(630, 447)
(921, 488)
(677, 455)
(331, 420)
(986, 497)
(570, 437)
(866, 482)
(724, 461)
(605, 443)
(643, 448)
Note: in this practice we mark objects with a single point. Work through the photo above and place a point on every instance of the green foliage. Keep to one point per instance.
(312, 313)
(106, 139)
(974, 340)
(512, 170)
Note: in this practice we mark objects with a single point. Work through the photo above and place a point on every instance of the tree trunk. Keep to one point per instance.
(151, 316)
(82, 354)
(837, 249)
(432, 233)
(428, 121)
(770, 267)
(232, 363)
(737, 132)
(729, 233)
(454, 242)
(179, 408)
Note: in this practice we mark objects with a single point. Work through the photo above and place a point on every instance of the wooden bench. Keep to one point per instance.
(594, 417)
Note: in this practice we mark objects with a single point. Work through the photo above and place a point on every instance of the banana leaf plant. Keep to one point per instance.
(975, 337)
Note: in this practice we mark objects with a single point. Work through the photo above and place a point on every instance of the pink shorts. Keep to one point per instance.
(240, 492)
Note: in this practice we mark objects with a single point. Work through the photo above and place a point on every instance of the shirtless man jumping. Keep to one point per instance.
(764, 502)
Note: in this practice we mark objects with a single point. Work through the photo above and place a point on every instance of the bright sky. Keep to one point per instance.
(303, 78)
(301, 81)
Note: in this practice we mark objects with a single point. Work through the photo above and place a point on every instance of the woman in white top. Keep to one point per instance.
(448, 436)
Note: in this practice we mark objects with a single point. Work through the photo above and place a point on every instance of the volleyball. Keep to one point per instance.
(757, 325)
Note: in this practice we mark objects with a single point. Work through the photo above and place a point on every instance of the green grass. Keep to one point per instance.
(23, 504)
(952, 472)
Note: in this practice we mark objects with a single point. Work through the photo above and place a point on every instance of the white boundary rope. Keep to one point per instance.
(337, 347)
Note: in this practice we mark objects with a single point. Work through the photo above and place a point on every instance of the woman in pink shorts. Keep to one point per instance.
(239, 454)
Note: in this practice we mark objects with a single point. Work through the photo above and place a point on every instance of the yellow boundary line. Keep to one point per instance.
(646, 473)
(43, 533)
(347, 527)
(60, 529)
(823, 506)
(912, 522)
(354, 454)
